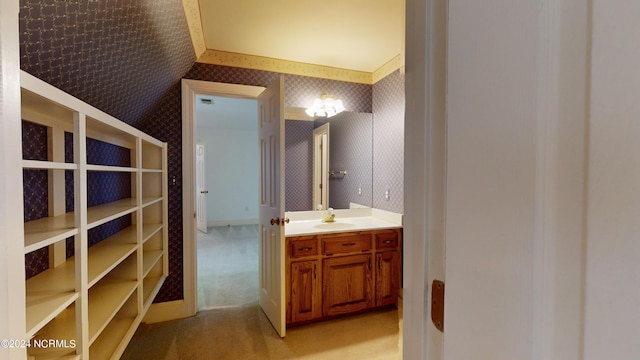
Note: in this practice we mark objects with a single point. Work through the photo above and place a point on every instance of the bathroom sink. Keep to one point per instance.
(338, 225)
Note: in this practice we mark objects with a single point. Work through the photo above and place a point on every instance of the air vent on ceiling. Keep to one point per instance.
(207, 101)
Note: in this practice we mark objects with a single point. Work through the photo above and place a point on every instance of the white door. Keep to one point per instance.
(271, 208)
(201, 195)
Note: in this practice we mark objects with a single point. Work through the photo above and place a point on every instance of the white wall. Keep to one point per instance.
(612, 314)
(231, 161)
(12, 293)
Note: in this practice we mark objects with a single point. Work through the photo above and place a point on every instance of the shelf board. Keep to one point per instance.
(150, 258)
(148, 230)
(118, 330)
(40, 108)
(107, 254)
(46, 231)
(91, 167)
(60, 328)
(147, 170)
(146, 201)
(57, 355)
(48, 165)
(48, 294)
(98, 215)
(105, 299)
(150, 288)
(111, 130)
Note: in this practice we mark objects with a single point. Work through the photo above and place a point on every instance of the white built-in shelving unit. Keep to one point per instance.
(97, 297)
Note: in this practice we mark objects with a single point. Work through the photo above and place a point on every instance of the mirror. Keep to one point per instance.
(350, 161)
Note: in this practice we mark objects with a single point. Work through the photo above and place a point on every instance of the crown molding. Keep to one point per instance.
(192, 13)
(224, 58)
(388, 68)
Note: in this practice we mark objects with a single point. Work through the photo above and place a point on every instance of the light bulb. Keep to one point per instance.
(328, 103)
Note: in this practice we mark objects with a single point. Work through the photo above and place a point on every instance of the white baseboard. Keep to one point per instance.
(232, 222)
(165, 311)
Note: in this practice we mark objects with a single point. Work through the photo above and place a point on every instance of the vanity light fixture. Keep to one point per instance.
(326, 106)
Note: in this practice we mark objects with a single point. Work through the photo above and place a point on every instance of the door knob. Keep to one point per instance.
(204, 192)
(278, 221)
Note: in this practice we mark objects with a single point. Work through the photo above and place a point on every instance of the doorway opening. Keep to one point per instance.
(227, 200)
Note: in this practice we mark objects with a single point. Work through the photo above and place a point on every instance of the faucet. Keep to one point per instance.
(330, 217)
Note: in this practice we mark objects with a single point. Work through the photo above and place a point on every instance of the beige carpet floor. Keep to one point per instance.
(244, 332)
(227, 266)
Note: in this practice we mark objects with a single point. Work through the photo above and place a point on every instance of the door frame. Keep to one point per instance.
(191, 88)
(321, 167)
(425, 174)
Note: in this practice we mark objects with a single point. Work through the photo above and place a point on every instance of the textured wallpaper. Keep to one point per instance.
(388, 143)
(298, 165)
(117, 55)
(35, 191)
(300, 91)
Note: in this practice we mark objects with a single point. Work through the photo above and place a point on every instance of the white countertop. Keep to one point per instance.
(310, 222)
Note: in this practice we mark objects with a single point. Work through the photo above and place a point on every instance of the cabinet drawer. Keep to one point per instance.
(346, 244)
(387, 240)
(306, 247)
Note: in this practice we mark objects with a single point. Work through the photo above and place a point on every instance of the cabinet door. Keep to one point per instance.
(347, 284)
(305, 293)
(387, 278)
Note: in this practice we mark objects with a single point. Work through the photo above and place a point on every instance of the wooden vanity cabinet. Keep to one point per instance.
(388, 267)
(329, 275)
(348, 284)
(303, 281)
(387, 277)
(305, 291)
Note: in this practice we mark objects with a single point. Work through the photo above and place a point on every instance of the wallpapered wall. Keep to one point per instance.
(388, 140)
(117, 55)
(298, 165)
